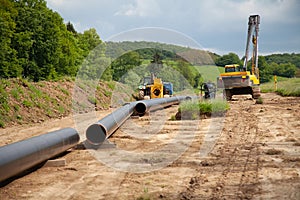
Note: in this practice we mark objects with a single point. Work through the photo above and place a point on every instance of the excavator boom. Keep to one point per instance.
(253, 29)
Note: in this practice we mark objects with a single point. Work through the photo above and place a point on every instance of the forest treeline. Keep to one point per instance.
(36, 44)
(286, 65)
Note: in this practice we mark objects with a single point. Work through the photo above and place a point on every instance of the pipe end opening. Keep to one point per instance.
(96, 134)
(140, 108)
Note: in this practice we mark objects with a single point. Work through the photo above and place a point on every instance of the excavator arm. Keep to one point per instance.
(243, 81)
(253, 28)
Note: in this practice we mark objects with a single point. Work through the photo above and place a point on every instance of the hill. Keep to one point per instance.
(147, 49)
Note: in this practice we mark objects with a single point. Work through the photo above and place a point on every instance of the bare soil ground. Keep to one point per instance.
(251, 153)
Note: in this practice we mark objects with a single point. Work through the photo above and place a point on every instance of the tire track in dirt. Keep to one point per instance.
(239, 156)
(231, 171)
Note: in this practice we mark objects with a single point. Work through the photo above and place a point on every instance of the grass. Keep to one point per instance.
(111, 85)
(213, 106)
(173, 118)
(210, 73)
(92, 100)
(66, 92)
(5, 107)
(145, 196)
(2, 124)
(193, 109)
(19, 117)
(16, 93)
(16, 107)
(4, 102)
(108, 93)
(61, 109)
(35, 93)
(285, 87)
(27, 103)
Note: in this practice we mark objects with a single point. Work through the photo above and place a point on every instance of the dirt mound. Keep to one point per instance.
(24, 102)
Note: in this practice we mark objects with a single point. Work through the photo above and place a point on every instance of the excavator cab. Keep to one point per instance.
(232, 68)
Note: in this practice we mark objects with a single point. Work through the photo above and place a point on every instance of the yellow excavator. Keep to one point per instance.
(238, 80)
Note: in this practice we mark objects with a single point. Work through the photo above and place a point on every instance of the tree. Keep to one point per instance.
(131, 79)
(289, 69)
(228, 59)
(127, 61)
(186, 70)
(71, 28)
(88, 40)
(285, 70)
(284, 58)
(156, 64)
(9, 66)
(36, 44)
(37, 39)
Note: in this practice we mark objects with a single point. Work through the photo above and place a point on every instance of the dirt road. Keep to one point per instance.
(251, 153)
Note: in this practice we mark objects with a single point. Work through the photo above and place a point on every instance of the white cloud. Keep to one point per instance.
(55, 2)
(221, 24)
(141, 8)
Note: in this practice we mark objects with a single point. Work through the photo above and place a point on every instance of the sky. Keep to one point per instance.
(219, 26)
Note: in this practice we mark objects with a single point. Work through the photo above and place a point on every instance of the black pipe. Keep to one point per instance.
(98, 132)
(17, 157)
(145, 105)
(104, 128)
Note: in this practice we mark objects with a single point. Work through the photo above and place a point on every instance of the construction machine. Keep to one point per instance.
(153, 87)
(238, 80)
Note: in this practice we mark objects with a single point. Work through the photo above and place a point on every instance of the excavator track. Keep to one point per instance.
(256, 92)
